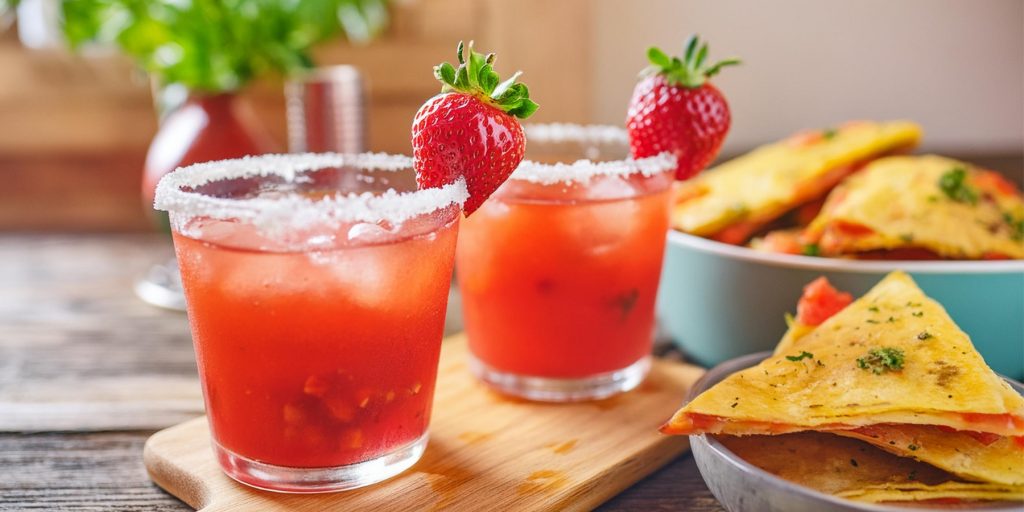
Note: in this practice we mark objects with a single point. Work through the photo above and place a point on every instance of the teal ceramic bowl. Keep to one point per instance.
(719, 301)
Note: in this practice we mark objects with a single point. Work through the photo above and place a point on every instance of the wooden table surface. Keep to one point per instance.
(88, 372)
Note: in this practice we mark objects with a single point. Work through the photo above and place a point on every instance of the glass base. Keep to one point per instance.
(546, 389)
(161, 286)
(269, 477)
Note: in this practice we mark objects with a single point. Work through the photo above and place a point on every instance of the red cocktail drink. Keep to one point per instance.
(559, 274)
(317, 316)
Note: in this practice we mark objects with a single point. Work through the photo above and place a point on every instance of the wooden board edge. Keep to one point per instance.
(172, 478)
(625, 474)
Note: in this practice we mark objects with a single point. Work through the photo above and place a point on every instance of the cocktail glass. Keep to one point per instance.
(316, 288)
(559, 271)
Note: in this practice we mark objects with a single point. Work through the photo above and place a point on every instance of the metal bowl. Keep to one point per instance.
(741, 487)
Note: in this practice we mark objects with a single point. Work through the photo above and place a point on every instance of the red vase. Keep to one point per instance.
(204, 128)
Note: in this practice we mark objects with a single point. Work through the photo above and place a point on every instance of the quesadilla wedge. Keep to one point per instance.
(892, 357)
(732, 201)
(971, 455)
(851, 469)
(921, 207)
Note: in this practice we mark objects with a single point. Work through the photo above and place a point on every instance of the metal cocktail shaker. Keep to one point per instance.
(326, 111)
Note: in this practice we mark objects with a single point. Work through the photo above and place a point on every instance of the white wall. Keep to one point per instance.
(955, 66)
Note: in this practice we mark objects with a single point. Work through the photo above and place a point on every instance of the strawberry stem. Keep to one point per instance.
(475, 75)
(689, 71)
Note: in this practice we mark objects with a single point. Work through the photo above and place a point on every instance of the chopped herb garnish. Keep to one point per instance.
(923, 335)
(819, 362)
(873, 309)
(913, 304)
(912, 447)
(871, 321)
(953, 184)
(853, 462)
(803, 355)
(907, 237)
(829, 133)
(918, 314)
(811, 250)
(881, 360)
(891, 319)
(734, 405)
(1016, 226)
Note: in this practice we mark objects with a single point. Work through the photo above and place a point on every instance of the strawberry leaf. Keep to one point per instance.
(701, 55)
(488, 79)
(691, 45)
(658, 57)
(689, 71)
(476, 76)
(445, 73)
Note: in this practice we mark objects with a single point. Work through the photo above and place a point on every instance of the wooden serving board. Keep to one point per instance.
(486, 452)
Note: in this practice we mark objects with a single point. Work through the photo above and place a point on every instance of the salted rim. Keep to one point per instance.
(569, 132)
(296, 211)
(582, 171)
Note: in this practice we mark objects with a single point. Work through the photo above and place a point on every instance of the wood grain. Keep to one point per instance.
(78, 351)
(68, 318)
(103, 472)
(486, 451)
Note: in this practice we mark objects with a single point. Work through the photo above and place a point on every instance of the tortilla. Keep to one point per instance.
(971, 455)
(855, 470)
(731, 201)
(844, 375)
(935, 205)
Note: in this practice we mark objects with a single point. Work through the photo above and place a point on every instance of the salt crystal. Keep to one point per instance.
(290, 211)
(582, 171)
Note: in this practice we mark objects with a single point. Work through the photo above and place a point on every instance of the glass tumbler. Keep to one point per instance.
(316, 288)
(558, 272)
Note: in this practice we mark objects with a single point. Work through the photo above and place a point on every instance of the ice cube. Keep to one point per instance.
(364, 276)
(602, 227)
(495, 208)
(603, 188)
(255, 276)
(368, 233)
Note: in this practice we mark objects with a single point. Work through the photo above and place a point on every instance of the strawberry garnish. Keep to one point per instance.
(471, 129)
(674, 108)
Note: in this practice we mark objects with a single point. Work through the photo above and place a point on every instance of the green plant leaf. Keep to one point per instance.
(219, 45)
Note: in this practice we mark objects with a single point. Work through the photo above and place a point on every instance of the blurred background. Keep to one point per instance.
(75, 126)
